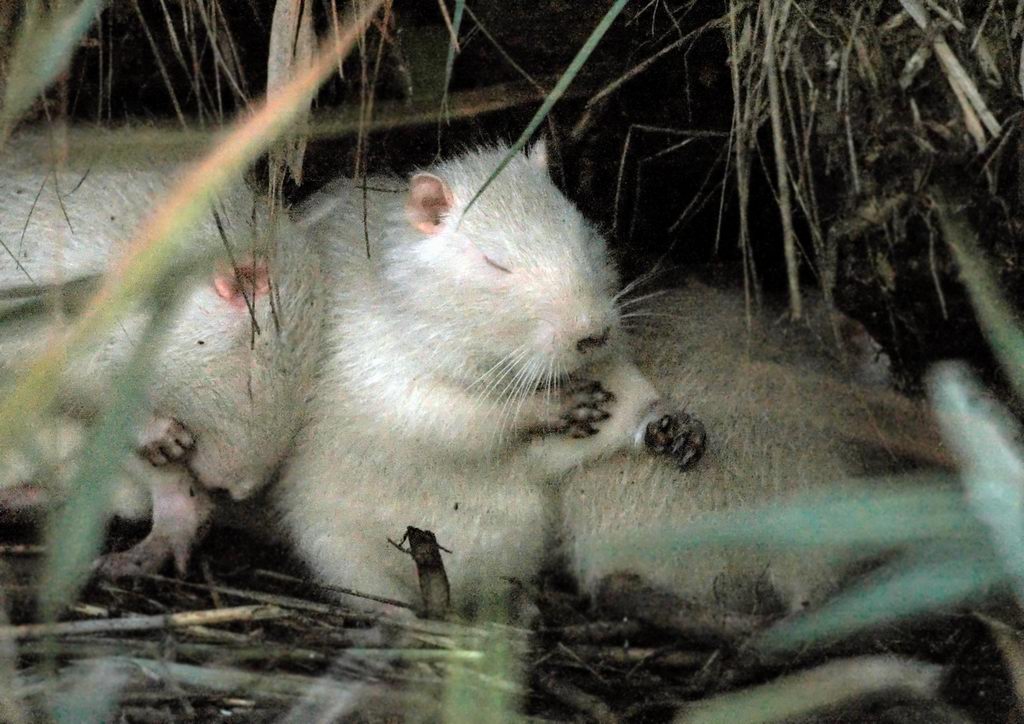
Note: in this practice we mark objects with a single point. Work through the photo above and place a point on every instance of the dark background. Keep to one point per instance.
(652, 161)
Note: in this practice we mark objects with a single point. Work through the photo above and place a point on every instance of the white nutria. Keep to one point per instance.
(455, 385)
(782, 418)
(229, 384)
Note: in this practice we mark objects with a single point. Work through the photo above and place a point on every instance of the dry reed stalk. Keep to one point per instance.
(273, 599)
(160, 64)
(292, 44)
(977, 116)
(776, 18)
(143, 623)
(739, 47)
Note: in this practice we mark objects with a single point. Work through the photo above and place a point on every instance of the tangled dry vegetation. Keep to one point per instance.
(870, 108)
(857, 119)
(246, 636)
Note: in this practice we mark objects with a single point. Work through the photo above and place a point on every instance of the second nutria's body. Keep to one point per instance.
(784, 417)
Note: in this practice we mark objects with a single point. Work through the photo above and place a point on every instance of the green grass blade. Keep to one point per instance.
(560, 87)
(792, 697)
(868, 519)
(24, 309)
(76, 529)
(449, 64)
(86, 284)
(486, 688)
(90, 693)
(983, 437)
(997, 319)
(42, 51)
(917, 585)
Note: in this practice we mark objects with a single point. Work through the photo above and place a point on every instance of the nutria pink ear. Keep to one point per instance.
(538, 155)
(248, 280)
(430, 200)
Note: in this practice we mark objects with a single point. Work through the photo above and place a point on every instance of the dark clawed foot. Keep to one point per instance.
(584, 407)
(678, 435)
(147, 556)
(164, 441)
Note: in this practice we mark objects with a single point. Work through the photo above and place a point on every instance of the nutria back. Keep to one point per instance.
(784, 414)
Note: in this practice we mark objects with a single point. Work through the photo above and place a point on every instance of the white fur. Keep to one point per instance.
(404, 432)
(433, 378)
(782, 418)
(241, 394)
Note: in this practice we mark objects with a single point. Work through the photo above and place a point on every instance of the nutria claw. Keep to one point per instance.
(165, 440)
(678, 435)
(145, 557)
(584, 408)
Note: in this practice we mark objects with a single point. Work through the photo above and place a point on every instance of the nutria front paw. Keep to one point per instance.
(584, 407)
(165, 440)
(678, 435)
(579, 409)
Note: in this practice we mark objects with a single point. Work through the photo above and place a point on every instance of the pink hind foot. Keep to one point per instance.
(181, 512)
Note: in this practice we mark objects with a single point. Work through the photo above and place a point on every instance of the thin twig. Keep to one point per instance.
(160, 65)
(577, 699)
(143, 623)
(599, 631)
(639, 68)
(341, 589)
(623, 656)
(273, 599)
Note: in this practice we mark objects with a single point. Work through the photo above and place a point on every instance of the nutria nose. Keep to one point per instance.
(594, 342)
